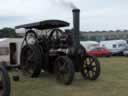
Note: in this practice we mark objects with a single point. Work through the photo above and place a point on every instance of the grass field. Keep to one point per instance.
(112, 82)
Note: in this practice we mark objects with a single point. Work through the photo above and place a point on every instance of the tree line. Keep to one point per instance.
(8, 33)
(97, 37)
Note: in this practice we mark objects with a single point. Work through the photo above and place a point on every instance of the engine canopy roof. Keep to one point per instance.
(47, 24)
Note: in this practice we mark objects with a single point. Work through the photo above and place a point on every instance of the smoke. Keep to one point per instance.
(66, 4)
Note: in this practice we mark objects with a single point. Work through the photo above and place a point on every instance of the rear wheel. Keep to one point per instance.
(64, 70)
(4, 82)
(90, 68)
(31, 62)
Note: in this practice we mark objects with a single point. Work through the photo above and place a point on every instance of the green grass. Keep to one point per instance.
(112, 82)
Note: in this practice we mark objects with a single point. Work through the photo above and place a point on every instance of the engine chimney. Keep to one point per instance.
(76, 28)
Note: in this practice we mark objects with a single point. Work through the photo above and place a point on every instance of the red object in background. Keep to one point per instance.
(100, 52)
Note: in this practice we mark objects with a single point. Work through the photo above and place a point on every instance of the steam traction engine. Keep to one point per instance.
(47, 47)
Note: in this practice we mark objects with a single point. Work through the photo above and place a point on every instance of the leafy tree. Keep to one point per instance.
(7, 32)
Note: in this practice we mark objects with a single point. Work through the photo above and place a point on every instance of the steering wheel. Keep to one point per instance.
(55, 34)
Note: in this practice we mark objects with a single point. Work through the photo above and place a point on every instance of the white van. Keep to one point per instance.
(10, 50)
(89, 45)
(115, 46)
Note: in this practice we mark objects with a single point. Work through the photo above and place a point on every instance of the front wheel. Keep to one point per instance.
(64, 70)
(90, 68)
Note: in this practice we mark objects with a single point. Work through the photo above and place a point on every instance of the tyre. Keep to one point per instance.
(90, 68)
(64, 70)
(31, 61)
(5, 86)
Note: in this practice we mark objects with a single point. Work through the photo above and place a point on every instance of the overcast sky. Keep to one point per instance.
(95, 14)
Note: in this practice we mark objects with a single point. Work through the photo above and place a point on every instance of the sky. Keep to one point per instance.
(95, 14)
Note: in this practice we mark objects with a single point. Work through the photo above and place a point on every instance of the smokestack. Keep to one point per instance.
(76, 28)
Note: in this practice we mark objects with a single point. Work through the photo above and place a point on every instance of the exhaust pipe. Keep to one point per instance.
(76, 28)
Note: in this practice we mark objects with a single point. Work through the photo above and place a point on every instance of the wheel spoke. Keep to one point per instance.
(88, 61)
(91, 61)
(93, 73)
(85, 67)
(85, 62)
(94, 66)
(94, 70)
(85, 71)
(89, 74)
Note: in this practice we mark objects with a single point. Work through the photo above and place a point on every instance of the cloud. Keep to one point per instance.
(22, 7)
(95, 14)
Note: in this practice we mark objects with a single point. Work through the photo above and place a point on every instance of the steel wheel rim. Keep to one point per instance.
(89, 67)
